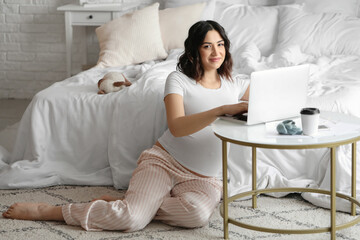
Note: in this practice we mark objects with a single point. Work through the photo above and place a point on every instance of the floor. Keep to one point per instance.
(11, 111)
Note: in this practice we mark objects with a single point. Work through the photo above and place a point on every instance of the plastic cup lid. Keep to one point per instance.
(310, 111)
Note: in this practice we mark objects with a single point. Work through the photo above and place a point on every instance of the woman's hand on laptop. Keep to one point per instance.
(233, 109)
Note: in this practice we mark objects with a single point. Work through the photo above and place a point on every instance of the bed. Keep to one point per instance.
(70, 135)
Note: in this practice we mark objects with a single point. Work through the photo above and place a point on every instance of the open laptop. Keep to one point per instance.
(275, 94)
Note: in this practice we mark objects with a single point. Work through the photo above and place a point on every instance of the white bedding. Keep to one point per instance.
(63, 135)
(71, 135)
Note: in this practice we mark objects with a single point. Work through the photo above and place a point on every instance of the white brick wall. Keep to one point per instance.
(32, 46)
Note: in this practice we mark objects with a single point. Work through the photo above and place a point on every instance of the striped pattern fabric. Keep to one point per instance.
(161, 189)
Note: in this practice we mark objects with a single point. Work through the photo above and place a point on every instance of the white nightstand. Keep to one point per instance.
(76, 15)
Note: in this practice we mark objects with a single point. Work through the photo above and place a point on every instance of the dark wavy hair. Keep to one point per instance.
(190, 62)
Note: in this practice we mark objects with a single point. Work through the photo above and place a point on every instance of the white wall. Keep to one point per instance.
(32, 45)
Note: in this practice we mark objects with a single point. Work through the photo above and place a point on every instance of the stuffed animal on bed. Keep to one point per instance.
(112, 82)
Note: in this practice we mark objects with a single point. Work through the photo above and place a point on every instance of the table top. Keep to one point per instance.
(346, 129)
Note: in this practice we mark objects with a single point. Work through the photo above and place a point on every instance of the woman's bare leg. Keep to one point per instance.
(42, 211)
(34, 211)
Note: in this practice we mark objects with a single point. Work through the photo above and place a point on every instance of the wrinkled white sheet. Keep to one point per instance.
(71, 135)
(63, 135)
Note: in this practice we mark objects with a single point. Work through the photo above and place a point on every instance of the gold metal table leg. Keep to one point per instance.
(353, 178)
(225, 190)
(333, 193)
(254, 198)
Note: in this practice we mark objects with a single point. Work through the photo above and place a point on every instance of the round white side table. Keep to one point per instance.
(256, 136)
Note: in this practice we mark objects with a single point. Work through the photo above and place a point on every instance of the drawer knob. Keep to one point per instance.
(90, 16)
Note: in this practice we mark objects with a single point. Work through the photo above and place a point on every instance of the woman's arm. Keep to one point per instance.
(181, 125)
(245, 97)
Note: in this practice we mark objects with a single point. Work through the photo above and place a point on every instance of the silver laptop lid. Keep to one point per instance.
(277, 93)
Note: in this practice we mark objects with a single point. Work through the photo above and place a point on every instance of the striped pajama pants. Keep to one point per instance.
(160, 189)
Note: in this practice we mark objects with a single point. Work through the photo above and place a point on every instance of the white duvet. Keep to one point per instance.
(71, 135)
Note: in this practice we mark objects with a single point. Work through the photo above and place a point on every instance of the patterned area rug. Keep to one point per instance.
(287, 212)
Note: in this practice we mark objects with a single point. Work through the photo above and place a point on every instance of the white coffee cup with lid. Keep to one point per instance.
(310, 120)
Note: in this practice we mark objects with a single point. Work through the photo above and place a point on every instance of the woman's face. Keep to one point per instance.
(212, 51)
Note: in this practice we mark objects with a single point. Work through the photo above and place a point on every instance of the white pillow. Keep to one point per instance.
(175, 24)
(349, 7)
(247, 24)
(133, 38)
(247, 58)
(208, 11)
(318, 34)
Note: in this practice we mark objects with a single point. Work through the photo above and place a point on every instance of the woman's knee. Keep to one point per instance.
(200, 216)
(199, 213)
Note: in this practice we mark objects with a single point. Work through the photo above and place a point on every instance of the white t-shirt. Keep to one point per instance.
(201, 151)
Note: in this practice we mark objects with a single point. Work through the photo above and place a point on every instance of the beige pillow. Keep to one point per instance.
(175, 24)
(133, 38)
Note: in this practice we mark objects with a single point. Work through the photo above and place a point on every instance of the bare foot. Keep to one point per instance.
(107, 198)
(34, 211)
